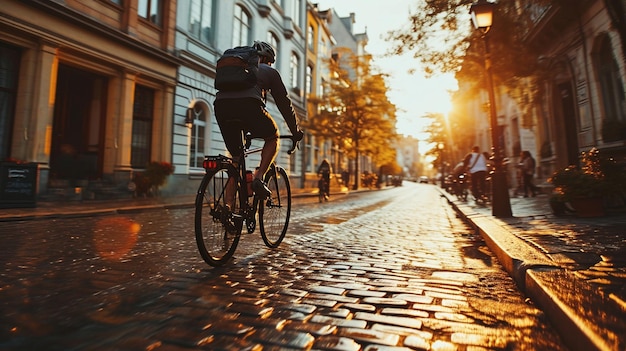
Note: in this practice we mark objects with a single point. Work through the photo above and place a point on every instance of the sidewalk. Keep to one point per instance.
(53, 209)
(573, 268)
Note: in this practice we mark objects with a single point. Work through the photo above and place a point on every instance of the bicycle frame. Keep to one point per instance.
(223, 204)
(248, 209)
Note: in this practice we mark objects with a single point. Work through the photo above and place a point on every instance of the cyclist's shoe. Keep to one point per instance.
(260, 189)
(227, 220)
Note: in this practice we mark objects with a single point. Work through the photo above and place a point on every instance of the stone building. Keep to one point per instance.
(205, 29)
(576, 99)
(87, 90)
(96, 90)
(583, 104)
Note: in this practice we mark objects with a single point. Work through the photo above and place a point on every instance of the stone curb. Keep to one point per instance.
(574, 310)
(579, 326)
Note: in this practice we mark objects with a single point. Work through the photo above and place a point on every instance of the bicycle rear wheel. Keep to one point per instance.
(218, 229)
(274, 211)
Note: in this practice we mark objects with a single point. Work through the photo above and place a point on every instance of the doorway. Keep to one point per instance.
(78, 125)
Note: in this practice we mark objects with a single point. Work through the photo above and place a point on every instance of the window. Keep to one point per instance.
(272, 39)
(201, 20)
(241, 27)
(9, 67)
(143, 108)
(311, 38)
(612, 92)
(150, 10)
(323, 50)
(198, 132)
(309, 79)
(293, 69)
(295, 12)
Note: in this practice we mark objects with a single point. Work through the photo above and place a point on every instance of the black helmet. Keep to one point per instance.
(266, 50)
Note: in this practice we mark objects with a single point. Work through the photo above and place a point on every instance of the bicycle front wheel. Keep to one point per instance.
(218, 224)
(274, 211)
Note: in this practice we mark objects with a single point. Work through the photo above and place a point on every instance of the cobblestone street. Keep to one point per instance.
(386, 270)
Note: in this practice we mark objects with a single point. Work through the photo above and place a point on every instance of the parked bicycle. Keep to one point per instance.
(219, 220)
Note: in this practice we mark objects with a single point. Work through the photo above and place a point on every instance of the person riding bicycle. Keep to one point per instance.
(248, 107)
(323, 172)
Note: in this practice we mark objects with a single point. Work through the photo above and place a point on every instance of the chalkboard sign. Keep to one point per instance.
(18, 184)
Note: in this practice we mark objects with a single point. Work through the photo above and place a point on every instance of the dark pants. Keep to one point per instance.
(528, 185)
(247, 114)
(325, 183)
(478, 183)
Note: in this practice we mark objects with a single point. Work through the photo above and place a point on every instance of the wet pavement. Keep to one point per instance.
(574, 269)
(368, 271)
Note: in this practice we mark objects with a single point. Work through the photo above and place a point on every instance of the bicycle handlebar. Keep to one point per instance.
(294, 143)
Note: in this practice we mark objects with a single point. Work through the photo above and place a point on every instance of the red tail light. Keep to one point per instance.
(210, 164)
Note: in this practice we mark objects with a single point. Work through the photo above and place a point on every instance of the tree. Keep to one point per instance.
(436, 135)
(355, 112)
(441, 37)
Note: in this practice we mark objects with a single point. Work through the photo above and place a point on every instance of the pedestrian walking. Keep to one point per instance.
(527, 166)
(323, 173)
(476, 165)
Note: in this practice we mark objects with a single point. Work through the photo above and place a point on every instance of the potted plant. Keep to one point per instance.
(149, 181)
(586, 188)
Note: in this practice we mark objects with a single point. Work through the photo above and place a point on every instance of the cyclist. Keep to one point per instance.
(248, 107)
(323, 172)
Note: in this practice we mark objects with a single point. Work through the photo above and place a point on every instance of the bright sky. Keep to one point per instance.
(413, 94)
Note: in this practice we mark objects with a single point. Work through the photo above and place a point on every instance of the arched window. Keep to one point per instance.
(612, 93)
(272, 39)
(311, 38)
(293, 69)
(200, 112)
(241, 27)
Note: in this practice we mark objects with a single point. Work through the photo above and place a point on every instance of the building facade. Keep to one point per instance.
(575, 101)
(94, 91)
(205, 29)
(87, 89)
(583, 100)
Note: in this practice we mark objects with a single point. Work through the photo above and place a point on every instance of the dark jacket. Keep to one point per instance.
(268, 80)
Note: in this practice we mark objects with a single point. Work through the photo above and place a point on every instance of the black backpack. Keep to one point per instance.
(236, 69)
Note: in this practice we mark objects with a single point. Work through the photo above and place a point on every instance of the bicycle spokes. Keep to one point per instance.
(217, 225)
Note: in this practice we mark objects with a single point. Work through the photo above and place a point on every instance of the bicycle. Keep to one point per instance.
(218, 225)
(461, 187)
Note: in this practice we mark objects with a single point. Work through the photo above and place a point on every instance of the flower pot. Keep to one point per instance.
(588, 207)
(558, 207)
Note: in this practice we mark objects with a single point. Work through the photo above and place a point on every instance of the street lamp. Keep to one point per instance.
(482, 18)
(443, 176)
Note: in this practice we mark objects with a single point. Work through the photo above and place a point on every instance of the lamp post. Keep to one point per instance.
(443, 176)
(482, 18)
